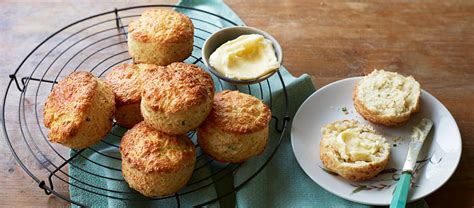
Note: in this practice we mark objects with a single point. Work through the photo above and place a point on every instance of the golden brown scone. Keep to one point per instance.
(160, 37)
(387, 98)
(126, 81)
(353, 150)
(154, 163)
(177, 98)
(236, 129)
(79, 110)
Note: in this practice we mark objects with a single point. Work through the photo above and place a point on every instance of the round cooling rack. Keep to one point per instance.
(96, 44)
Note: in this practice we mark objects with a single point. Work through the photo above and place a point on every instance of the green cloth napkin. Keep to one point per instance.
(281, 184)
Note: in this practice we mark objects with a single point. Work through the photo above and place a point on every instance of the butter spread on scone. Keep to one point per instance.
(354, 145)
(387, 98)
(353, 150)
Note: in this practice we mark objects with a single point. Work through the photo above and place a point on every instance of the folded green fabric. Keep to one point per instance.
(281, 184)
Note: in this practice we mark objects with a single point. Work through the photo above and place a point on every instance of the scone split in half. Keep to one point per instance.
(387, 98)
(154, 163)
(79, 110)
(354, 151)
(236, 129)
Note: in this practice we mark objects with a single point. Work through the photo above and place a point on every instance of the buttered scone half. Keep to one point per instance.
(177, 98)
(126, 81)
(387, 98)
(236, 129)
(161, 37)
(154, 163)
(353, 150)
(79, 110)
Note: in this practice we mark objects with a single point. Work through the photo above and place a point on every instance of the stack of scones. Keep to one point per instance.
(160, 99)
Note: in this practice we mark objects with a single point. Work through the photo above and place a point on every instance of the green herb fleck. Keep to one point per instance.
(328, 171)
(345, 111)
(360, 188)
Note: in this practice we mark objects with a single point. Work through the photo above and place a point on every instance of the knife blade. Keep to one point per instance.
(420, 132)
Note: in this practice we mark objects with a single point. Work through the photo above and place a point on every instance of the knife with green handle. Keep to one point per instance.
(418, 136)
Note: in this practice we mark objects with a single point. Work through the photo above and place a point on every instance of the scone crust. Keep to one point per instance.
(160, 37)
(177, 87)
(236, 129)
(239, 113)
(128, 115)
(70, 110)
(161, 25)
(155, 183)
(149, 150)
(126, 81)
(354, 171)
(65, 99)
(230, 147)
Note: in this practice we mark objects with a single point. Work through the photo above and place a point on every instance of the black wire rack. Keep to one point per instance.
(98, 43)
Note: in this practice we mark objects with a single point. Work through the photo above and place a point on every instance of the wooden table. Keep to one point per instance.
(330, 40)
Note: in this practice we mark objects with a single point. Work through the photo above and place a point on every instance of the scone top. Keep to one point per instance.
(149, 150)
(389, 93)
(126, 81)
(178, 86)
(240, 113)
(161, 25)
(68, 103)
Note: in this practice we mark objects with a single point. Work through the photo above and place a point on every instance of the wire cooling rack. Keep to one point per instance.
(98, 43)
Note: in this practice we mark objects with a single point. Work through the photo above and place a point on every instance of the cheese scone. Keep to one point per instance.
(387, 98)
(154, 163)
(161, 37)
(353, 150)
(79, 110)
(126, 81)
(177, 98)
(236, 129)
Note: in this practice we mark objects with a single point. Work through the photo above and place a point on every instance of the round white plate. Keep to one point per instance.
(437, 160)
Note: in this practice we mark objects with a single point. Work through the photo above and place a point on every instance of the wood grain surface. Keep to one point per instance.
(329, 40)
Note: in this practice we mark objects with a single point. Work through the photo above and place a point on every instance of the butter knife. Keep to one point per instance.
(420, 132)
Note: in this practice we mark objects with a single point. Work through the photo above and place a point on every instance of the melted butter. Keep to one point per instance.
(353, 148)
(244, 58)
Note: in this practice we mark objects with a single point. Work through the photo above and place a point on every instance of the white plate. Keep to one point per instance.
(442, 147)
